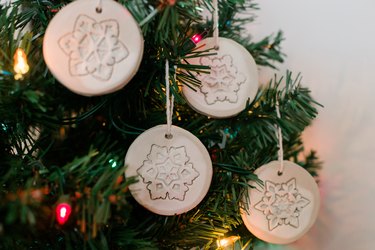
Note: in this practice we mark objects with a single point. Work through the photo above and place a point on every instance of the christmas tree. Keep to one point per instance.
(62, 150)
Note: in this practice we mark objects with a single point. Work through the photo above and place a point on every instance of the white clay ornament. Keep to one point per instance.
(232, 82)
(93, 50)
(286, 207)
(174, 174)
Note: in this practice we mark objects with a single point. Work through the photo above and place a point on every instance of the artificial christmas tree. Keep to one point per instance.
(62, 158)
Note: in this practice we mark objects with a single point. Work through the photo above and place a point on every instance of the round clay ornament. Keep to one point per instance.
(93, 51)
(174, 173)
(232, 82)
(285, 207)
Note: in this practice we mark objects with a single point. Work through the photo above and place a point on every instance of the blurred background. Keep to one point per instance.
(331, 43)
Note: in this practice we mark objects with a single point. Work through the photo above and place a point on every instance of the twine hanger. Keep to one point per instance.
(99, 8)
(169, 102)
(279, 135)
(216, 24)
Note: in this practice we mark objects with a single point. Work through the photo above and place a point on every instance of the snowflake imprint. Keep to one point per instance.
(93, 47)
(167, 172)
(282, 204)
(223, 82)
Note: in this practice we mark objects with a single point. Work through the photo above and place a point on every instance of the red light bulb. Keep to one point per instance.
(63, 211)
(196, 38)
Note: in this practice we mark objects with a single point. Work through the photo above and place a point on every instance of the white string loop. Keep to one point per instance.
(280, 141)
(169, 102)
(216, 24)
(99, 8)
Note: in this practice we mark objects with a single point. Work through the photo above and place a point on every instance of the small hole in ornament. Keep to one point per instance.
(98, 10)
(279, 173)
(168, 136)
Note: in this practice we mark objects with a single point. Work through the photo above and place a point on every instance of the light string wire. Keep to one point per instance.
(279, 135)
(216, 24)
(169, 101)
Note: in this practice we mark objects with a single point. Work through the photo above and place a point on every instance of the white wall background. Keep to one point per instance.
(331, 42)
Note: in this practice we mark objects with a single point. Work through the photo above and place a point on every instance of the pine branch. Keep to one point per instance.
(82, 141)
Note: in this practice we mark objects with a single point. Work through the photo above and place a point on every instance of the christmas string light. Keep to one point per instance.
(221, 243)
(113, 163)
(63, 211)
(196, 38)
(20, 64)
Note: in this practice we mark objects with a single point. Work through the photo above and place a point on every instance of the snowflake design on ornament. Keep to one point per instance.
(93, 47)
(223, 82)
(167, 172)
(282, 204)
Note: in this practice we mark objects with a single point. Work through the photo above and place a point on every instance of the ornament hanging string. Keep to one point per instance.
(169, 101)
(216, 24)
(280, 141)
(99, 8)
